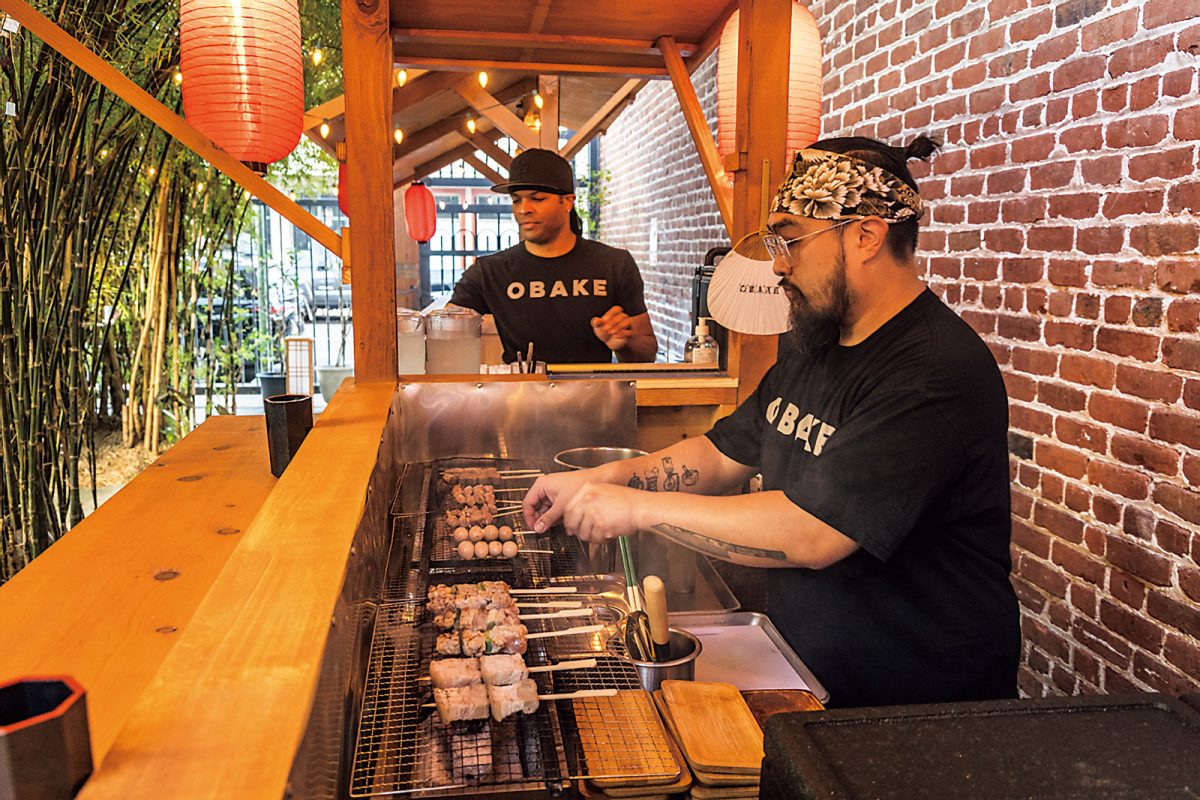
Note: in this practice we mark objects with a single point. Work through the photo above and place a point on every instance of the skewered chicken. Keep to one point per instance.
(515, 698)
(463, 475)
(502, 669)
(499, 639)
(453, 673)
(460, 703)
(485, 594)
(476, 619)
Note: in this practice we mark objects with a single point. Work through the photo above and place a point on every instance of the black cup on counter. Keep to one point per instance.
(289, 419)
(45, 746)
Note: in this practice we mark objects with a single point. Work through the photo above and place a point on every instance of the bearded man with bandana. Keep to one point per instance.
(881, 436)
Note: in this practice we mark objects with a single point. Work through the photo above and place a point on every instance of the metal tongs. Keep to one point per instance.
(639, 641)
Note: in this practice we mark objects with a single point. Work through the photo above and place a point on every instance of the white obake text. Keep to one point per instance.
(578, 288)
(790, 424)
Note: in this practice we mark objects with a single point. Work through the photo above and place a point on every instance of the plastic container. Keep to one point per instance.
(410, 342)
(702, 348)
(452, 342)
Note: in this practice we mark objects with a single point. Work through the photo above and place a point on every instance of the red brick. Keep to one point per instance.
(1023, 418)
(1102, 171)
(1025, 329)
(1070, 334)
(1082, 137)
(1165, 12)
(1023, 270)
(1119, 411)
(1087, 306)
(1019, 387)
(1044, 577)
(1084, 104)
(1140, 131)
(1054, 175)
(1110, 30)
(1186, 656)
(1051, 239)
(1077, 498)
(1191, 395)
(1115, 98)
(1174, 613)
(1191, 469)
(1177, 83)
(1182, 502)
(1175, 427)
(1149, 201)
(1173, 539)
(1116, 683)
(1062, 397)
(1030, 539)
(1159, 240)
(1159, 385)
(1102, 642)
(1079, 563)
(1033, 148)
(1143, 93)
(1030, 88)
(1158, 677)
(1112, 274)
(1182, 353)
(1108, 511)
(1085, 370)
(1064, 461)
(1006, 181)
(1142, 346)
(1189, 582)
(1139, 56)
(1083, 598)
(1064, 272)
(1146, 454)
(1148, 312)
(1046, 639)
(1053, 50)
(1052, 488)
(1034, 362)
(1136, 559)
(1076, 206)
(1178, 276)
(1078, 72)
(1081, 434)
(1184, 197)
(1119, 480)
(1136, 629)
(1117, 309)
(1057, 109)
(1167, 164)
(1126, 588)
(1059, 304)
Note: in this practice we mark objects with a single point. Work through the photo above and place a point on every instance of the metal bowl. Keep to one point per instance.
(587, 457)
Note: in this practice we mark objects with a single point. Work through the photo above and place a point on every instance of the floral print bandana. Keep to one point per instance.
(824, 185)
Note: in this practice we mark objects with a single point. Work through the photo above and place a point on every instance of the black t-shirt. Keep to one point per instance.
(551, 301)
(900, 443)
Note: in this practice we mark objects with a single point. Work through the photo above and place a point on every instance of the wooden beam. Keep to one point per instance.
(455, 121)
(547, 67)
(497, 112)
(535, 41)
(367, 75)
(421, 171)
(494, 150)
(764, 48)
(416, 90)
(712, 37)
(702, 136)
(589, 128)
(482, 168)
(548, 92)
(113, 80)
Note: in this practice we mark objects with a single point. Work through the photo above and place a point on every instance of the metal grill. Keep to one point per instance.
(402, 747)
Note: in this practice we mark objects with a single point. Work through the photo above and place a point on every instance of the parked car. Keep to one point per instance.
(325, 293)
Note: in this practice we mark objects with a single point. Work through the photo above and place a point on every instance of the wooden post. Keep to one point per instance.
(548, 91)
(764, 45)
(367, 65)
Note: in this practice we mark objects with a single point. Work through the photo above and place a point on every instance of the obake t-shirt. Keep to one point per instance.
(551, 301)
(900, 443)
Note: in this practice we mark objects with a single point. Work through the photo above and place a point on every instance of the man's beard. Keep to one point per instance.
(815, 329)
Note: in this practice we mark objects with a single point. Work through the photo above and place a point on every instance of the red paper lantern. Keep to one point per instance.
(420, 212)
(243, 77)
(804, 83)
(343, 205)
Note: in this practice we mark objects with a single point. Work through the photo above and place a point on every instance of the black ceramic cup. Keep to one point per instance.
(289, 419)
(45, 746)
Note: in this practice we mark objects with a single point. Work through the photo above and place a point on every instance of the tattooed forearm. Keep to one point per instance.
(671, 480)
(715, 547)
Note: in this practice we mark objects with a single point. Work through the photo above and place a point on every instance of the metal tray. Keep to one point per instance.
(754, 654)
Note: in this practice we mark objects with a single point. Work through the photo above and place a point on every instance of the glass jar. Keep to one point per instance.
(452, 341)
(410, 342)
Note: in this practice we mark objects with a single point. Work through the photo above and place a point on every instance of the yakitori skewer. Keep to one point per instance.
(566, 632)
(561, 666)
(555, 604)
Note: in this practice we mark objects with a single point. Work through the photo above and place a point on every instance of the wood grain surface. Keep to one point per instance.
(716, 729)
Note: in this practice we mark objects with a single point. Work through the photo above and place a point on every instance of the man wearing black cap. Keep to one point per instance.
(576, 300)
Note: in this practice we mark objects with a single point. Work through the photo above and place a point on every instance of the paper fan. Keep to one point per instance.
(744, 294)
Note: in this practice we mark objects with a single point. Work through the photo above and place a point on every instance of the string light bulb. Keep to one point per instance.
(538, 101)
(317, 57)
(199, 187)
(324, 129)
(471, 125)
(104, 154)
(398, 135)
(401, 77)
(483, 79)
(151, 171)
(178, 78)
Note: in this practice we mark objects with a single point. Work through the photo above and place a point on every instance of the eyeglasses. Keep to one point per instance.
(780, 249)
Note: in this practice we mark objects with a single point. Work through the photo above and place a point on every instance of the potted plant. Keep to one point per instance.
(330, 376)
(268, 350)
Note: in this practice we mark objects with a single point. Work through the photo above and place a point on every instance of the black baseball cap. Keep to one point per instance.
(544, 170)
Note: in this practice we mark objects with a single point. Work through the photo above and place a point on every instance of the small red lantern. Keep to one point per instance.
(243, 75)
(420, 212)
(342, 204)
(804, 83)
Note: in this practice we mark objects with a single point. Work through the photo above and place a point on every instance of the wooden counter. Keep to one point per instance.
(101, 604)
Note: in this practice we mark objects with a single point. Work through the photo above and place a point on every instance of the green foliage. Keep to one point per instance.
(321, 26)
(594, 188)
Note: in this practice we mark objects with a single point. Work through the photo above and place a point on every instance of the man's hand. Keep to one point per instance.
(600, 512)
(614, 328)
(546, 500)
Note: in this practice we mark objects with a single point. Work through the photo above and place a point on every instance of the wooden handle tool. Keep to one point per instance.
(655, 593)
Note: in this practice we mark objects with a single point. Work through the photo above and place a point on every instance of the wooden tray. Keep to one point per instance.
(710, 779)
(716, 730)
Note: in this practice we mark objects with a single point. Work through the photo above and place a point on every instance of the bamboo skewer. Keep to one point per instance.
(561, 666)
(578, 612)
(564, 589)
(560, 604)
(565, 632)
(562, 695)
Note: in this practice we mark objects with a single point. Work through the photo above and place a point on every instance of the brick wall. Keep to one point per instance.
(660, 207)
(1064, 228)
